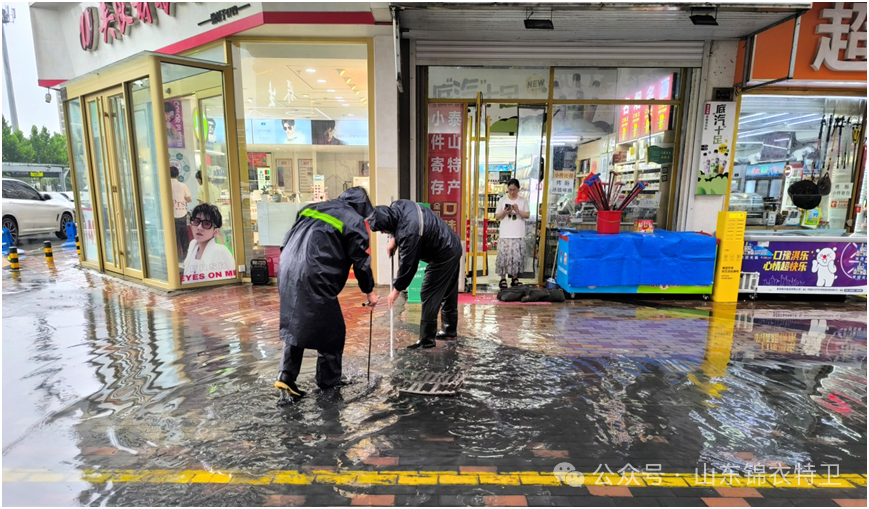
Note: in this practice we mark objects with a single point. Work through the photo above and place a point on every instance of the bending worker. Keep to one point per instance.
(316, 256)
(421, 234)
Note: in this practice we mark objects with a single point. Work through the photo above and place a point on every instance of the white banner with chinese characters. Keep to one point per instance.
(444, 162)
(719, 121)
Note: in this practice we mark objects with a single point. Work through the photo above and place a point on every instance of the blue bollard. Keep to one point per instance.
(70, 235)
(7, 241)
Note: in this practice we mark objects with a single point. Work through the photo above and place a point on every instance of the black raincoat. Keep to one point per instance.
(438, 243)
(316, 256)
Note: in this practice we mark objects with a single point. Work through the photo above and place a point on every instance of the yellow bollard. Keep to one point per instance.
(77, 246)
(13, 259)
(49, 255)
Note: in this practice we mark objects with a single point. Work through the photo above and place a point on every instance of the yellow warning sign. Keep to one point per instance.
(728, 267)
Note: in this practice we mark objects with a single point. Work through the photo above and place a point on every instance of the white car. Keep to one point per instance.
(28, 212)
(61, 196)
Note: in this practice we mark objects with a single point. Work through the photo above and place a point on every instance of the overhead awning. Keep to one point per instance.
(588, 22)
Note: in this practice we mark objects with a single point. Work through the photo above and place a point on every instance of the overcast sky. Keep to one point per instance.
(29, 97)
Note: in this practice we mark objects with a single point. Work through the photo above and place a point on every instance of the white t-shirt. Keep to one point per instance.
(180, 194)
(512, 228)
(216, 263)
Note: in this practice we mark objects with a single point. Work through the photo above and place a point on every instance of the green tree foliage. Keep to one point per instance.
(41, 148)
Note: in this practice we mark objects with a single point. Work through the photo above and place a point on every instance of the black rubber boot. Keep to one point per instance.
(427, 331)
(449, 321)
(283, 383)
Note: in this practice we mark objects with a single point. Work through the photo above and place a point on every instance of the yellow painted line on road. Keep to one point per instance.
(425, 478)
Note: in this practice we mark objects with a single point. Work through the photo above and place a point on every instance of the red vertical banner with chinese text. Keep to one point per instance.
(444, 162)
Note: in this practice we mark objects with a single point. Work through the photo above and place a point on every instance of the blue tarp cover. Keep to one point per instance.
(660, 258)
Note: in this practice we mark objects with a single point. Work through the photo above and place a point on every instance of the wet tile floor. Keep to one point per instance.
(117, 395)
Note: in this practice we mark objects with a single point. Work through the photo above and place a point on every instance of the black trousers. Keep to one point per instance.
(328, 365)
(440, 289)
(182, 237)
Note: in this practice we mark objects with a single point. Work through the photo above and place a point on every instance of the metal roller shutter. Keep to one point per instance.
(580, 54)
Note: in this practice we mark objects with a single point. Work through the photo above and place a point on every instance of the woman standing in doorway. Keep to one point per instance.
(512, 212)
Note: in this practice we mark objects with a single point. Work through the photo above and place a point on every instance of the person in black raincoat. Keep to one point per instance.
(421, 234)
(316, 256)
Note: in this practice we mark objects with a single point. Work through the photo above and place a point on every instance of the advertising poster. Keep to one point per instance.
(444, 162)
(263, 131)
(341, 132)
(306, 175)
(285, 173)
(90, 235)
(174, 123)
(807, 267)
(293, 132)
(217, 261)
(716, 144)
(287, 131)
(563, 182)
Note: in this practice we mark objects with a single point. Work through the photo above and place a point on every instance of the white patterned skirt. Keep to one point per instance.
(511, 257)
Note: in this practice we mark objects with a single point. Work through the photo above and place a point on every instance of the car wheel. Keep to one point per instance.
(10, 224)
(65, 219)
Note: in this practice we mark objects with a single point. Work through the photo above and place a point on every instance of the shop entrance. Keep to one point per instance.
(115, 192)
(505, 142)
(152, 171)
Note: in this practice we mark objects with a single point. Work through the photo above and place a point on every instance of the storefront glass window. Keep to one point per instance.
(213, 53)
(78, 160)
(785, 140)
(589, 83)
(615, 144)
(494, 82)
(149, 183)
(196, 127)
(306, 133)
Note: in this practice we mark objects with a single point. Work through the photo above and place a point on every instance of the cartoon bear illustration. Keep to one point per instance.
(824, 265)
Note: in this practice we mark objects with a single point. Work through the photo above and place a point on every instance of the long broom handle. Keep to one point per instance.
(391, 311)
(370, 328)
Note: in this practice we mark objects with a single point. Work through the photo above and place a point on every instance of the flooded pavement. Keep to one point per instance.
(118, 395)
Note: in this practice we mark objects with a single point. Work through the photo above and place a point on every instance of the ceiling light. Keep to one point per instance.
(305, 95)
(357, 92)
(353, 87)
(345, 104)
(539, 24)
(351, 115)
(249, 100)
(341, 72)
(703, 17)
(310, 70)
(764, 118)
(330, 90)
(348, 80)
(321, 81)
(339, 98)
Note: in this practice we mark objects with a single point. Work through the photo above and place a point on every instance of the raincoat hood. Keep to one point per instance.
(385, 219)
(357, 198)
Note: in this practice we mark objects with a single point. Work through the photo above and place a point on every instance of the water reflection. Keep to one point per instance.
(141, 381)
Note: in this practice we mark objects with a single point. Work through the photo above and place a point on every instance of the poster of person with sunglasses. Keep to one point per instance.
(208, 257)
(295, 132)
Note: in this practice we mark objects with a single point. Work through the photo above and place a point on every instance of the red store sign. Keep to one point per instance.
(444, 162)
(112, 20)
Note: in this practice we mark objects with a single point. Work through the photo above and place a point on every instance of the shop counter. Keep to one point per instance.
(659, 262)
(807, 263)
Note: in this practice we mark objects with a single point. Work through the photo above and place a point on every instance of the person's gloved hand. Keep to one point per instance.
(393, 295)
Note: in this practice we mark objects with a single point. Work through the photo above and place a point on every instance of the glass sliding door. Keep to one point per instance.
(116, 191)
